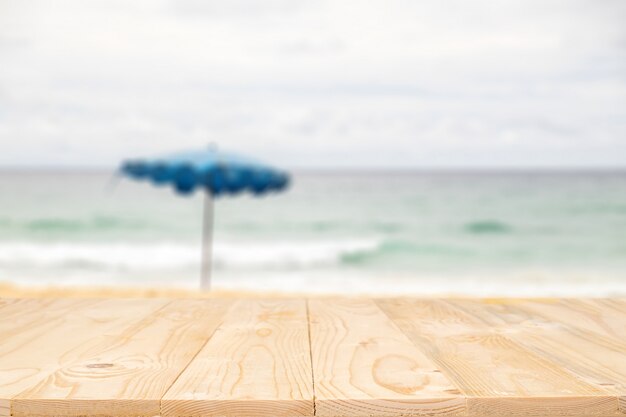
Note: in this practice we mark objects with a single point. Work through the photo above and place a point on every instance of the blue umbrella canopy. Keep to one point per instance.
(218, 173)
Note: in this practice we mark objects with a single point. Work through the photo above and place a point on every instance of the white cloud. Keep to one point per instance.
(334, 83)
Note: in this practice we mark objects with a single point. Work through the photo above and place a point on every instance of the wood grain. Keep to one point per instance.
(325, 357)
(23, 315)
(364, 365)
(596, 315)
(7, 301)
(34, 336)
(596, 358)
(498, 375)
(257, 364)
(126, 370)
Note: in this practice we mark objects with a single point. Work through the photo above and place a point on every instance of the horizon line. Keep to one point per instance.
(356, 170)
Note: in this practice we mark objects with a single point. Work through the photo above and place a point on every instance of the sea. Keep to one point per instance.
(456, 233)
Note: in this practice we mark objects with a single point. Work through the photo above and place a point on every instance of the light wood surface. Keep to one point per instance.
(498, 375)
(593, 356)
(599, 316)
(257, 364)
(44, 337)
(332, 357)
(133, 365)
(364, 365)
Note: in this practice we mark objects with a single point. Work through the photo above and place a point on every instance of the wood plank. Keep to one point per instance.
(256, 365)
(614, 316)
(596, 315)
(549, 357)
(365, 366)
(26, 327)
(23, 314)
(613, 302)
(498, 375)
(595, 358)
(127, 371)
(38, 335)
(604, 316)
(7, 301)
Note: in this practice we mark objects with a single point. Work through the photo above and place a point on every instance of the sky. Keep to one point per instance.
(315, 84)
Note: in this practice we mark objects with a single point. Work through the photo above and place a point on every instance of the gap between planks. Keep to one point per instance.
(256, 364)
(366, 366)
(308, 324)
(190, 361)
(101, 375)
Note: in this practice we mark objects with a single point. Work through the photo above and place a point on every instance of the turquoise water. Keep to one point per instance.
(423, 233)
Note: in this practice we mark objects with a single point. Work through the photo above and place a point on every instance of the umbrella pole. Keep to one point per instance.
(207, 242)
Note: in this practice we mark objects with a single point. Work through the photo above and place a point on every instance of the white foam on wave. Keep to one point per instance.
(151, 256)
(288, 266)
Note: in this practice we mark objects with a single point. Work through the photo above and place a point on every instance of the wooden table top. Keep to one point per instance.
(335, 357)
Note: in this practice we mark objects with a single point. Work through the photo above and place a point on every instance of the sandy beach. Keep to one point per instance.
(8, 290)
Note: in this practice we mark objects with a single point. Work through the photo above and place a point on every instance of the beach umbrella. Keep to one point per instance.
(215, 173)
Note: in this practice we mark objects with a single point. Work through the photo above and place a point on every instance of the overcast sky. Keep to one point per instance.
(389, 83)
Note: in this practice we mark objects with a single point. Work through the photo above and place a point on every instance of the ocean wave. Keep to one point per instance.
(72, 225)
(394, 249)
(319, 227)
(480, 227)
(173, 256)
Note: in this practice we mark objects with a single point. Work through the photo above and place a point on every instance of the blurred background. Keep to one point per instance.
(435, 147)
